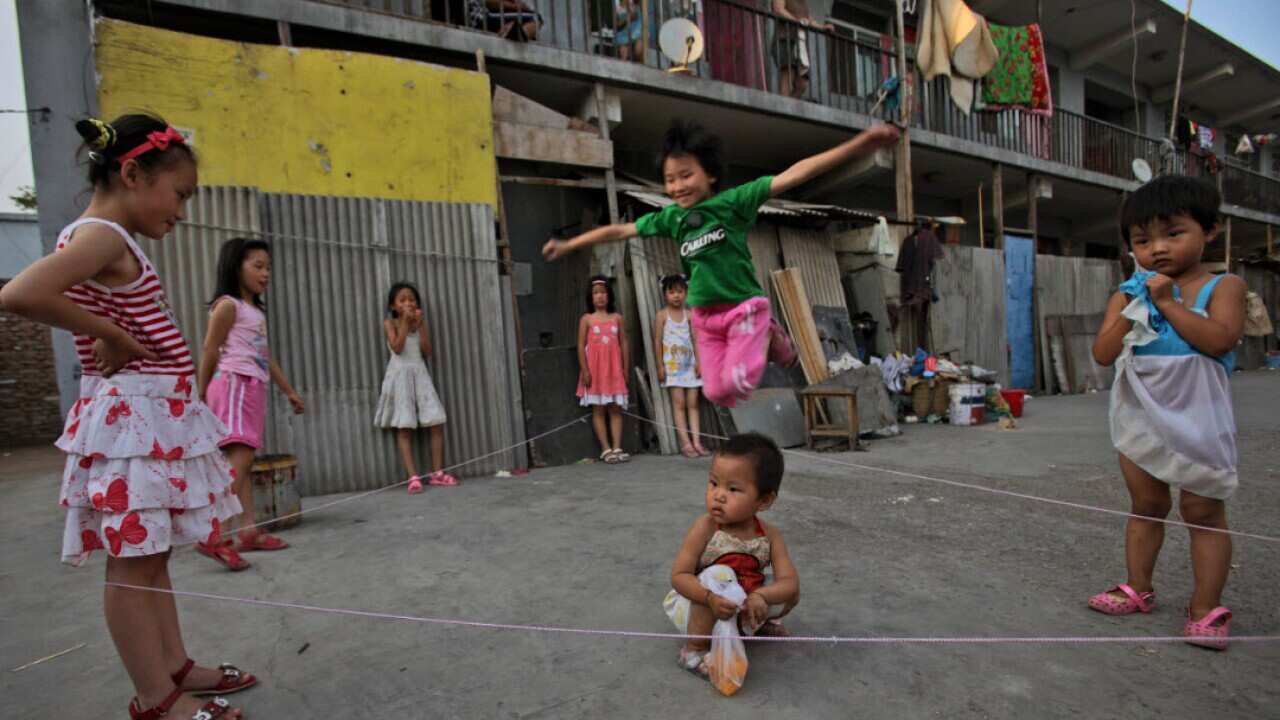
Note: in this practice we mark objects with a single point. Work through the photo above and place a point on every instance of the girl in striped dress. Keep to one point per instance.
(143, 471)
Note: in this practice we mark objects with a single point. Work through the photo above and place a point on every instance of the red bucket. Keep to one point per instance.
(1015, 399)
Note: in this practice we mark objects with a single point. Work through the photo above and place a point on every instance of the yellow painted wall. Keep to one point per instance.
(316, 122)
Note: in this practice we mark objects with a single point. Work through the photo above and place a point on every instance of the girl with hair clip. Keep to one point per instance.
(735, 332)
(235, 371)
(143, 471)
(603, 358)
(677, 361)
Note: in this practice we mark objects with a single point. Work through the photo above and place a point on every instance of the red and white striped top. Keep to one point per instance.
(140, 307)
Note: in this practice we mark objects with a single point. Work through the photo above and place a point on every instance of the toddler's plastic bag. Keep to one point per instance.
(727, 661)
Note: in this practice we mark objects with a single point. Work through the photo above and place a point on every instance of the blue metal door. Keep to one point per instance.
(1019, 274)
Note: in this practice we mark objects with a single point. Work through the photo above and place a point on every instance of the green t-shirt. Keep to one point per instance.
(714, 253)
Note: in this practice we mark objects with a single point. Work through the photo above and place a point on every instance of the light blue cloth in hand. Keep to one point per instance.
(1136, 288)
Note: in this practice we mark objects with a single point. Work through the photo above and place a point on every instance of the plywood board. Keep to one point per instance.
(772, 412)
(968, 321)
(512, 108)
(540, 144)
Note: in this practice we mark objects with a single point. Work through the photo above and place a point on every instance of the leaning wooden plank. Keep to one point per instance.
(567, 147)
(798, 315)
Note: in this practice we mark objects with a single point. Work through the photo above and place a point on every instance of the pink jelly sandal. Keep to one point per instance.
(441, 477)
(1105, 602)
(415, 485)
(1209, 631)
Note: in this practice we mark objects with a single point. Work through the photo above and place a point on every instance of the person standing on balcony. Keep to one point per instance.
(733, 329)
(791, 46)
(628, 23)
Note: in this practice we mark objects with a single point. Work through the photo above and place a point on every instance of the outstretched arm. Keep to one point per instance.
(809, 168)
(556, 249)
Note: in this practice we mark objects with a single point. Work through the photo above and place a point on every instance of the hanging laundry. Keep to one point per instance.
(1244, 147)
(880, 239)
(955, 42)
(1204, 135)
(1020, 78)
(915, 263)
(1264, 140)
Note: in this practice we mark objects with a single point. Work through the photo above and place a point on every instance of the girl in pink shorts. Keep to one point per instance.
(235, 370)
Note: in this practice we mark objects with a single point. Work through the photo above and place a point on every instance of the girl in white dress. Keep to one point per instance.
(1171, 330)
(409, 399)
(678, 368)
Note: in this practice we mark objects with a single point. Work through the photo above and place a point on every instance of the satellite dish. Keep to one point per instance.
(1141, 170)
(681, 41)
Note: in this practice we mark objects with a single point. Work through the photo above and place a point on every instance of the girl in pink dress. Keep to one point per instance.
(143, 471)
(603, 359)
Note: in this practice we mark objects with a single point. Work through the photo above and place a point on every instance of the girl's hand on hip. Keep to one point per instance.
(296, 401)
(721, 607)
(112, 354)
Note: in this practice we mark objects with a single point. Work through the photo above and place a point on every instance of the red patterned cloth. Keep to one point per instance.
(1020, 77)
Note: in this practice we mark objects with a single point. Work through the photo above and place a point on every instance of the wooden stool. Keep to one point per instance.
(814, 429)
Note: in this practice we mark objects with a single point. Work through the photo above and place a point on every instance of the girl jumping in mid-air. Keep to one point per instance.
(731, 318)
(603, 358)
(235, 371)
(143, 470)
(409, 401)
(677, 362)
(1171, 331)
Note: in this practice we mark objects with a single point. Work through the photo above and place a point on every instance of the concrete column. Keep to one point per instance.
(58, 70)
(1071, 90)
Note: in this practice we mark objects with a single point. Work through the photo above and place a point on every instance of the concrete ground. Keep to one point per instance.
(591, 546)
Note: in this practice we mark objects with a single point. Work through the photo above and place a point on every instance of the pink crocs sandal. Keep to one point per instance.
(1105, 602)
(415, 485)
(1209, 631)
(441, 477)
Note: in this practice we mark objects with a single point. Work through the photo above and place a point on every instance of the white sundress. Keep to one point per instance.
(677, 354)
(1171, 411)
(408, 397)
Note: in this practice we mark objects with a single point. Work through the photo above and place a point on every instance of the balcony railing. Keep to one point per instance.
(746, 44)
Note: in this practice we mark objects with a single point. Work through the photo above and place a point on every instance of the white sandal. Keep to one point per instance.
(608, 456)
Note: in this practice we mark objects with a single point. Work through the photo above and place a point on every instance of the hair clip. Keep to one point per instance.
(106, 135)
(97, 158)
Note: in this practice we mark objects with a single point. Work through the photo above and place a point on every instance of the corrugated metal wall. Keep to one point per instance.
(334, 260)
(188, 258)
(811, 252)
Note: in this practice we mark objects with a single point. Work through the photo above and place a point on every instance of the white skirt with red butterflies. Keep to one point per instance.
(144, 472)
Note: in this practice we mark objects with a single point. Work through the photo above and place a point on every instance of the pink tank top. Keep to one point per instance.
(245, 350)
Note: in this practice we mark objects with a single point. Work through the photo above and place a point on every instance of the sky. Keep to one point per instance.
(1248, 23)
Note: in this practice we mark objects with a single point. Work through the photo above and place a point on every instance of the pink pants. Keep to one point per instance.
(733, 347)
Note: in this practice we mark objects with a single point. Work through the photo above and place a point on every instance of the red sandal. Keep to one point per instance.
(211, 710)
(224, 554)
(233, 680)
(260, 540)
